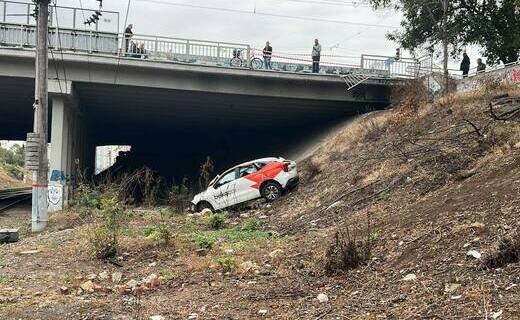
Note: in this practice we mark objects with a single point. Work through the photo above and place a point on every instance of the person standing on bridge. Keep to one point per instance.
(128, 35)
(268, 52)
(316, 53)
(464, 65)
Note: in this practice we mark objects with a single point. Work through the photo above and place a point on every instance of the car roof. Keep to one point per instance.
(268, 159)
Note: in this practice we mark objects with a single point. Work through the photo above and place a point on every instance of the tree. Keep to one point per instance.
(491, 24)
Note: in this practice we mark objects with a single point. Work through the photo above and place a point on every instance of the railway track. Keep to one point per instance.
(11, 197)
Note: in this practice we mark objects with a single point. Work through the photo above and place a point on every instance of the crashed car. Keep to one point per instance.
(266, 177)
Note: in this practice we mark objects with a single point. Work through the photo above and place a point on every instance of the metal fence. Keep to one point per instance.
(14, 12)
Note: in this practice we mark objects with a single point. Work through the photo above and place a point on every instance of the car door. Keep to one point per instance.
(224, 193)
(247, 183)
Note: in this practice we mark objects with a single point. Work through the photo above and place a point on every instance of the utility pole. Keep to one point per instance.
(445, 44)
(40, 176)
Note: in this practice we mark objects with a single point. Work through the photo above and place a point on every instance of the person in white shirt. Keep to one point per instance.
(316, 53)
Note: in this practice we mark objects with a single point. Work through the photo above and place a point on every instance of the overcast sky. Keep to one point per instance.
(293, 35)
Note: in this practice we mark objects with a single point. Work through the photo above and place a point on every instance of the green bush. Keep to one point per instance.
(216, 221)
(226, 262)
(112, 219)
(87, 199)
(205, 240)
(251, 224)
(161, 233)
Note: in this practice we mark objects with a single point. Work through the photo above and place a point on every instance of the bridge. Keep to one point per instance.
(179, 101)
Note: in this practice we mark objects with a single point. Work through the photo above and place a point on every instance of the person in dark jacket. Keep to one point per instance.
(268, 52)
(481, 66)
(464, 65)
(128, 36)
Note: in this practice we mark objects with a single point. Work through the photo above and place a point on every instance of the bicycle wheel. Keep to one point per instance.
(236, 62)
(256, 63)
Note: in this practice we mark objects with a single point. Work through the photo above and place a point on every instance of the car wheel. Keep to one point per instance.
(271, 191)
(204, 205)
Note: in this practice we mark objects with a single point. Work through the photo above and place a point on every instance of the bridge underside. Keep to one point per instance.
(173, 131)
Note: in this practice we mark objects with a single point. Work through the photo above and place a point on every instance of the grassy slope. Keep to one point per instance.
(432, 186)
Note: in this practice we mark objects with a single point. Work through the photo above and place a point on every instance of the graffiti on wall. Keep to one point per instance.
(508, 75)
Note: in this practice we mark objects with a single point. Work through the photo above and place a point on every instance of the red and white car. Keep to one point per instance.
(266, 177)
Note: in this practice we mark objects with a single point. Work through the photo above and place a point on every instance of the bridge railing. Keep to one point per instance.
(403, 67)
(15, 12)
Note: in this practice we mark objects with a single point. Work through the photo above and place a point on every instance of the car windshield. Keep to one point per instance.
(227, 177)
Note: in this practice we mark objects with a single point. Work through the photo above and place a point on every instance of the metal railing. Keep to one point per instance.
(14, 12)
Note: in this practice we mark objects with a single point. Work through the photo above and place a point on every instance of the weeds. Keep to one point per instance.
(349, 249)
(206, 170)
(161, 233)
(112, 219)
(251, 224)
(215, 221)
(226, 262)
(179, 196)
(508, 251)
(205, 240)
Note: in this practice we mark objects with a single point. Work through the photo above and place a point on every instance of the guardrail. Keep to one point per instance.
(15, 12)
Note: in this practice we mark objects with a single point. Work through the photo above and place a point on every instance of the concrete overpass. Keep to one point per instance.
(173, 114)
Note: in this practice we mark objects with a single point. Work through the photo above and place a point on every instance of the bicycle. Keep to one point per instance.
(253, 63)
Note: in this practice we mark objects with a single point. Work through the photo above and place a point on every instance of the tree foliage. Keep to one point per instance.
(13, 156)
(492, 24)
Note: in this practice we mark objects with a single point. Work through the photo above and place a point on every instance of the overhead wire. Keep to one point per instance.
(122, 39)
(60, 46)
(256, 12)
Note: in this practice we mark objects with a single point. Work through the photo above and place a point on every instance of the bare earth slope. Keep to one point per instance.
(433, 187)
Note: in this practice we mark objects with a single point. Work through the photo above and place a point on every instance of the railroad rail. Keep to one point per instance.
(11, 197)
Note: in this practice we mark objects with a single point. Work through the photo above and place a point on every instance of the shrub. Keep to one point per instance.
(179, 196)
(205, 240)
(251, 224)
(216, 221)
(87, 199)
(112, 218)
(507, 251)
(348, 250)
(206, 170)
(161, 233)
(226, 262)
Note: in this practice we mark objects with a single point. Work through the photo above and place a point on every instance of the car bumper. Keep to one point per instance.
(293, 182)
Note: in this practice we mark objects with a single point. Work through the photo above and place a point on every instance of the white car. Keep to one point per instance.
(266, 177)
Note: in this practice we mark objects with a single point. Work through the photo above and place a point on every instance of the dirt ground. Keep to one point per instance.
(433, 187)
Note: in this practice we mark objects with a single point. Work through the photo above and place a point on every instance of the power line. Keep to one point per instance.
(332, 3)
(123, 41)
(60, 47)
(265, 14)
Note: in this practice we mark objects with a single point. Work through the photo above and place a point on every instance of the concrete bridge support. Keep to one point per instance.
(70, 147)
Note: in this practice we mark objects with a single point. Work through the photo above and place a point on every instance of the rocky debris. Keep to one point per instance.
(474, 253)
(451, 287)
(409, 277)
(37, 293)
(202, 252)
(248, 267)
(64, 290)
(193, 316)
(322, 298)
(103, 275)
(496, 315)
(276, 253)
(157, 317)
(87, 286)
(92, 276)
(262, 312)
(116, 277)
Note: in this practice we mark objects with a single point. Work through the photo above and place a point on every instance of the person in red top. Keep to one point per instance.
(268, 51)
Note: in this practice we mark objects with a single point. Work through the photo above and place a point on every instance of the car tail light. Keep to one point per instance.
(286, 167)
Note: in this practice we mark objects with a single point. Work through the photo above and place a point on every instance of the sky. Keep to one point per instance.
(249, 21)
(346, 28)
